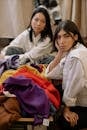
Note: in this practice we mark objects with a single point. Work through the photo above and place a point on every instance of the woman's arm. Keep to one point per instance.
(73, 86)
(55, 68)
(74, 83)
(38, 50)
(56, 60)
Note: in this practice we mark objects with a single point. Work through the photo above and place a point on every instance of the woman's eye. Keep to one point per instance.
(63, 36)
(67, 35)
(36, 19)
(42, 21)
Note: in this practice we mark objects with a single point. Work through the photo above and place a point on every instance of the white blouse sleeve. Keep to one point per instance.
(74, 84)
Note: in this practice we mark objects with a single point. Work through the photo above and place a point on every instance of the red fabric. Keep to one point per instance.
(51, 91)
(1, 89)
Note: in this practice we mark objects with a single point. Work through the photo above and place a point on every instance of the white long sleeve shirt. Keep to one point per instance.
(33, 50)
(73, 70)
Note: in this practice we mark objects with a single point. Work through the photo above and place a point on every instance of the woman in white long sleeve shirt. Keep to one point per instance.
(70, 65)
(36, 41)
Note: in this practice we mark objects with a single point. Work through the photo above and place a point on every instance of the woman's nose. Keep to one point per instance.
(61, 40)
(38, 23)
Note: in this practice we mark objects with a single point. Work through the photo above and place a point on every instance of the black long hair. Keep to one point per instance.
(69, 27)
(47, 30)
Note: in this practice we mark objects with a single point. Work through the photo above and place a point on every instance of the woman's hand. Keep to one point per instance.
(61, 52)
(70, 116)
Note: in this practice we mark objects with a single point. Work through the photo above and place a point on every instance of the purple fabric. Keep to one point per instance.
(9, 63)
(31, 97)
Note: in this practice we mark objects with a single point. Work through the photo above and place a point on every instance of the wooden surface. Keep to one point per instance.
(31, 119)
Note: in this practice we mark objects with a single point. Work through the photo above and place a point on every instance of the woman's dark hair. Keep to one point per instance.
(69, 27)
(47, 30)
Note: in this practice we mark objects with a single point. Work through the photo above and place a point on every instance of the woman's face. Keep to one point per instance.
(65, 41)
(38, 23)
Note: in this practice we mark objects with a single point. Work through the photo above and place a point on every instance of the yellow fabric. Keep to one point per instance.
(29, 68)
(6, 75)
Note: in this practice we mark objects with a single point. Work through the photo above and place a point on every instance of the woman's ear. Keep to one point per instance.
(76, 37)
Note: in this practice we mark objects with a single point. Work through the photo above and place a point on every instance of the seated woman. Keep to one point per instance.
(35, 42)
(70, 65)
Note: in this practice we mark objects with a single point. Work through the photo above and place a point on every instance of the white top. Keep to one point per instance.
(33, 50)
(73, 70)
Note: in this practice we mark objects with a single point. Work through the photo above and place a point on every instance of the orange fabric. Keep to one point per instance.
(34, 70)
(49, 88)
